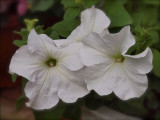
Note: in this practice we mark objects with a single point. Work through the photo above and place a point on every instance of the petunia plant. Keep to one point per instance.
(101, 54)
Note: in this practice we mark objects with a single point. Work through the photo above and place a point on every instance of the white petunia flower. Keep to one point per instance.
(110, 69)
(49, 71)
(92, 20)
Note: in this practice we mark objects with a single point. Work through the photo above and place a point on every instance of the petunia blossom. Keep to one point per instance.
(50, 71)
(110, 69)
(92, 20)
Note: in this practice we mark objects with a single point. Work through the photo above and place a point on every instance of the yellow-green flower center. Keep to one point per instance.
(51, 62)
(120, 58)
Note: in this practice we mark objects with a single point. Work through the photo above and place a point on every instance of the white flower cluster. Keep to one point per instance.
(91, 58)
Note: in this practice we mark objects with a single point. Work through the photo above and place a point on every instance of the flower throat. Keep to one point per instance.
(120, 58)
(51, 62)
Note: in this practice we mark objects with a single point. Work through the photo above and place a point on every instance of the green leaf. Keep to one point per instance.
(24, 82)
(20, 102)
(57, 9)
(132, 107)
(151, 2)
(110, 97)
(23, 33)
(64, 28)
(71, 13)
(14, 77)
(154, 82)
(155, 36)
(79, 3)
(93, 102)
(142, 17)
(39, 29)
(156, 62)
(54, 35)
(72, 112)
(80, 102)
(144, 39)
(41, 5)
(152, 100)
(52, 114)
(157, 46)
(19, 43)
(136, 19)
(131, 50)
(136, 107)
(117, 13)
(89, 3)
(69, 3)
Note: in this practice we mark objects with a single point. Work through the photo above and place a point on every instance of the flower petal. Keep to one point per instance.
(111, 44)
(90, 56)
(71, 87)
(77, 34)
(119, 43)
(106, 31)
(69, 92)
(70, 57)
(130, 85)
(39, 42)
(105, 78)
(26, 64)
(97, 78)
(94, 20)
(42, 93)
(141, 63)
(62, 42)
(94, 50)
(96, 42)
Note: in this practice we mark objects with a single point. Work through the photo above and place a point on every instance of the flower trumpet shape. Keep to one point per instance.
(92, 20)
(50, 71)
(110, 69)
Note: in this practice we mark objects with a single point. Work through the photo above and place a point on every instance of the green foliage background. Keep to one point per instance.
(141, 15)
